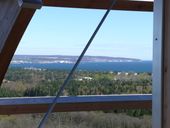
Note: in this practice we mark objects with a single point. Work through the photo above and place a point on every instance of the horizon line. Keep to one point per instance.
(78, 55)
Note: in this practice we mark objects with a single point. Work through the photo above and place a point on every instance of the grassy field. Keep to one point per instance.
(77, 120)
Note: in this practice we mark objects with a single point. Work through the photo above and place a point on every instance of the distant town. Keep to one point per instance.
(21, 59)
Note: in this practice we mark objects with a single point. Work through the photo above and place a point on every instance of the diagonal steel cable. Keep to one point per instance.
(51, 107)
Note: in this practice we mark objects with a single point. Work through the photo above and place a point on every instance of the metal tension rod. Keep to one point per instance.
(51, 107)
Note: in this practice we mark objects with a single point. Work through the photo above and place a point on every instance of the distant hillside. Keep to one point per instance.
(18, 59)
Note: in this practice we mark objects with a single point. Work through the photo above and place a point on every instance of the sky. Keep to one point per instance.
(65, 31)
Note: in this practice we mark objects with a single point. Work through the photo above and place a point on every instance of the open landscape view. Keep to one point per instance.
(119, 62)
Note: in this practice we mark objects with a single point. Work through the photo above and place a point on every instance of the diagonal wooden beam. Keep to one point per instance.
(14, 19)
(129, 5)
(76, 103)
(13, 39)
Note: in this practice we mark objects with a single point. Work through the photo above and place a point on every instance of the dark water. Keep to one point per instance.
(143, 66)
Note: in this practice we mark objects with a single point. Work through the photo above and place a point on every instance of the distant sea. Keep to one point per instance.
(140, 66)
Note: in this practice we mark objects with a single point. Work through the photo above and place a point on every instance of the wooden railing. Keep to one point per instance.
(75, 103)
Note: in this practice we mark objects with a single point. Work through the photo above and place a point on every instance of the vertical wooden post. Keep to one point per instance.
(157, 65)
(161, 65)
(166, 67)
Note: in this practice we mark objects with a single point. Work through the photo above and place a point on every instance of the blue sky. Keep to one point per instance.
(65, 31)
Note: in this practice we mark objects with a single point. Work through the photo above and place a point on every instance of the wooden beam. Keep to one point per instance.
(13, 23)
(129, 5)
(33, 4)
(9, 11)
(78, 103)
(161, 65)
(158, 74)
(166, 65)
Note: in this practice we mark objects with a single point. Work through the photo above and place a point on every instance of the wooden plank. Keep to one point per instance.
(157, 65)
(15, 16)
(9, 11)
(130, 5)
(34, 4)
(161, 78)
(78, 103)
(166, 66)
(9, 45)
